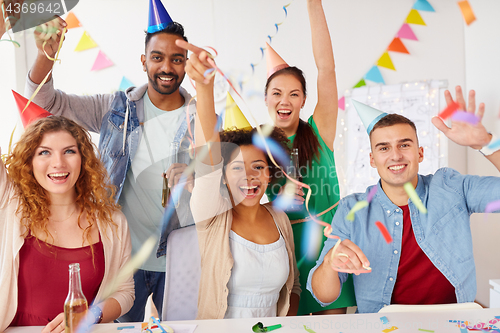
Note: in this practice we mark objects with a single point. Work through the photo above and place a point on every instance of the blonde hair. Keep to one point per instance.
(93, 193)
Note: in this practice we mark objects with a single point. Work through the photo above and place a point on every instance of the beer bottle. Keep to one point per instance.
(75, 306)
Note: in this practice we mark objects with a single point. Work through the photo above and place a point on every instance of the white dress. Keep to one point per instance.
(258, 275)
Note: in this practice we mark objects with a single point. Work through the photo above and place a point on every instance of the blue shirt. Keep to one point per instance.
(443, 234)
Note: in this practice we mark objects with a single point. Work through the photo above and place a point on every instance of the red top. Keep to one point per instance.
(44, 279)
(418, 280)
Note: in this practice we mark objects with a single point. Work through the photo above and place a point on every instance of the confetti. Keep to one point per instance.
(414, 197)
(492, 206)
(467, 11)
(371, 194)
(357, 207)
(449, 110)
(423, 330)
(465, 117)
(387, 330)
(384, 320)
(274, 147)
(383, 231)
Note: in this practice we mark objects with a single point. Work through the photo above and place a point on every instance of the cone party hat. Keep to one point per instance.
(158, 16)
(274, 61)
(234, 117)
(369, 116)
(32, 112)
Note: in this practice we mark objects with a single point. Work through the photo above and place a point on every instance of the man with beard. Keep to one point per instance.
(136, 128)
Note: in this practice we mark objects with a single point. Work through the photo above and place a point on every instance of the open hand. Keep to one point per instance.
(463, 133)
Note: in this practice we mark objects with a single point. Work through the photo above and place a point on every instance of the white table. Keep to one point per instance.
(352, 323)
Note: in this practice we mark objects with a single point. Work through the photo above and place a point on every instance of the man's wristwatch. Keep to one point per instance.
(97, 312)
(488, 151)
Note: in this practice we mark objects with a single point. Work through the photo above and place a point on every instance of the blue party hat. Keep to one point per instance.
(369, 116)
(158, 16)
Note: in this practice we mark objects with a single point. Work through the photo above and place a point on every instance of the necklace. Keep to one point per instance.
(74, 210)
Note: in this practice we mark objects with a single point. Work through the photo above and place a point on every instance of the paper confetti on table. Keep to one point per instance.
(414, 197)
(384, 320)
(467, 11)
(421, 329)
(449, 110)
(387, 330)
(384, 232)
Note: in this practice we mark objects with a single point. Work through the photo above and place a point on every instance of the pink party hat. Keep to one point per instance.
(274, 61)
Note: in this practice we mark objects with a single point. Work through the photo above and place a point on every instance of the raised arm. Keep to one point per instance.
(325, 112)
(42, 64)
(206, 118)
(466, 134)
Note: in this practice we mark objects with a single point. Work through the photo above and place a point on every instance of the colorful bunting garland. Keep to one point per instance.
(396, 45)
(101, 62)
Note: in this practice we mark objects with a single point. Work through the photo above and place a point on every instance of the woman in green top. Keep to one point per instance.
(285, 96)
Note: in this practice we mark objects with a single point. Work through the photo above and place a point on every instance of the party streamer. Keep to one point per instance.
(414, 197)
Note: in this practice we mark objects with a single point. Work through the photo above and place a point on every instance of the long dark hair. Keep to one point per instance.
(305, 139)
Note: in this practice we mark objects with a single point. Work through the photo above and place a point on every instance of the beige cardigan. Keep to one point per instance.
(117, 251)
(213, 216)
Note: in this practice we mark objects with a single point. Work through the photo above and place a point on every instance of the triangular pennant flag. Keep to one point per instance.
(342, 103)
(406, 32)
(385, 61)
(414, 18)
(397, 46)
(361, 83)
(85, 43)
(32, 112)
(234, 117)
(72, 21)
(125, 84)
(101, 62)
(423, 5)
(375, 75)
(467, 12)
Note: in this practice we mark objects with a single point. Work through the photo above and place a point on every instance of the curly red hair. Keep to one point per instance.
(94, 195)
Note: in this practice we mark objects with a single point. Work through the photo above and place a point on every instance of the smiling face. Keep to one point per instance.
(396, 155)
(247, 175)
(284, 99)
(57, 163)
(164, 62)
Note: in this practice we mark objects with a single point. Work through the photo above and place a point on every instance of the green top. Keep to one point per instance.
(321, 176)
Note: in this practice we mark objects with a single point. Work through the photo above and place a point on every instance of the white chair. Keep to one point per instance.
(182, 277)
(430, 307)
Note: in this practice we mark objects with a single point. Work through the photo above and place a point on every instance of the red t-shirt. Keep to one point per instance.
(43, 280)
(418, 280)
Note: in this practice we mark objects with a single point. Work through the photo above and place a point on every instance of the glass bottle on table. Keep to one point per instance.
(293, 172)
(172, 158)
(75, 306)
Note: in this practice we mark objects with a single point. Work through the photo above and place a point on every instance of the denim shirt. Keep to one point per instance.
(443, 234)
(118, 160)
